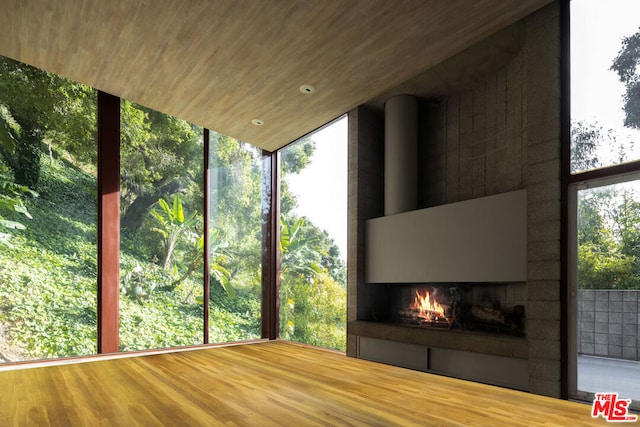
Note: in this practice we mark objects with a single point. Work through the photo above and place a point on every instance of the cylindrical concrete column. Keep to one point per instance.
(401, 154)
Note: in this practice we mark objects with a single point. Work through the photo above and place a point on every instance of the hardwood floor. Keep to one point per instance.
(264, 384)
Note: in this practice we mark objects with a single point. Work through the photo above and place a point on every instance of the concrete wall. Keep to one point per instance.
(366, 183)
(608, 323)
(502, 134)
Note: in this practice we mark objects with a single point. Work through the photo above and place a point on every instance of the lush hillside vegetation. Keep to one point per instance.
(48, 261)
(48, 277)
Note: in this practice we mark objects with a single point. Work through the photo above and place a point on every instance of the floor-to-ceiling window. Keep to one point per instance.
(604, 199)
(52, 216)
(161, 234)
(313, 234)
(194, 209)
(47, 215)
(235, 235)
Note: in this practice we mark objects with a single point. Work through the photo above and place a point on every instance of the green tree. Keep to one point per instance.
(293, 159)
(626, 66)
(47, 110)
(312, 302)
(160, 156)
(299, 251)
(315, 312)
(10, 192)
(585, 140)
(592, 224)
(608, 231)
(236, 209)
(608, 238)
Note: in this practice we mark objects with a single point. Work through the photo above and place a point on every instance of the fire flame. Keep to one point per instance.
(428, 309)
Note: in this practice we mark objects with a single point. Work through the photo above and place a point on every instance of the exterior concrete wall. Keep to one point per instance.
(608, 323)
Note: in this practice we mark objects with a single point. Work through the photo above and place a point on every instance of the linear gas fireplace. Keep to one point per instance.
(492, 308)
(466, 330)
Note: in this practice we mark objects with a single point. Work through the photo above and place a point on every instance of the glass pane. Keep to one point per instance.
(605, 83)
(236, 178)
(161, 262)
(313, 227)
(609, 289)
(47, 215)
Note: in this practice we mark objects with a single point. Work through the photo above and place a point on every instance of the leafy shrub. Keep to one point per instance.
(313, 312)
(605, 270)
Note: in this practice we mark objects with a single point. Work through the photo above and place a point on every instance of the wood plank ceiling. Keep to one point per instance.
(222, 63)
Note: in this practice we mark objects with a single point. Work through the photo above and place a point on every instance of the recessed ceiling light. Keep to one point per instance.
(307, 89)
(257, 122)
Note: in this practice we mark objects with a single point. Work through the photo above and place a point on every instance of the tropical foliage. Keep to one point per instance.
(48, 215)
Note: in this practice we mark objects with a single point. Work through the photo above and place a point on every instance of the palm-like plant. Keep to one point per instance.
(300, 264)
(300, 253)
(218, 256)
(172, 226)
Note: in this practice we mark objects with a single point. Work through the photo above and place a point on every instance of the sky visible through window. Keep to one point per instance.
(324, 201)
(597, 30)
(597, 101)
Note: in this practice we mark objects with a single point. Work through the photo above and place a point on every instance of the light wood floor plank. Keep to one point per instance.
(264, 384)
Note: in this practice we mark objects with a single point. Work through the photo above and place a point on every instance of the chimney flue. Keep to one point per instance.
(401, 155)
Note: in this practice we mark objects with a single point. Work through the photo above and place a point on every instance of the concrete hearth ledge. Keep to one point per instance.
(479, 342)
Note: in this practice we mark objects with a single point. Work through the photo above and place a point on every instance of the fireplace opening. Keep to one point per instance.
(486, 307)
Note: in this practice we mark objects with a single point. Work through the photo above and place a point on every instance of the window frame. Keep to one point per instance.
(571, 183)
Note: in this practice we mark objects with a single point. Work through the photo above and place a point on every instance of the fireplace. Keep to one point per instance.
(473, 331)
(494, 308)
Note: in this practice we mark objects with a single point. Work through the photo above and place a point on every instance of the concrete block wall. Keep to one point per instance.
(608, 323)
(366, 179)
(474, 141)
(542, 92)
(500, 135)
